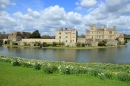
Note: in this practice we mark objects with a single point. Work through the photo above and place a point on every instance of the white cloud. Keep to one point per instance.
(109, 12)
(86, 3)
(4, 3)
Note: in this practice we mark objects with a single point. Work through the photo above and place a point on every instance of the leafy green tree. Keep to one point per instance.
(35, 34)
(47, 37)
(102, 43)
(54, 44)
(83, 44)
(44, 44)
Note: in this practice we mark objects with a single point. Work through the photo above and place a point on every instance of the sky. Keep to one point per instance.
(50, 15)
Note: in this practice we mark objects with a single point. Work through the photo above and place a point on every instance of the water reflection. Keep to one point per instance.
(108, 55)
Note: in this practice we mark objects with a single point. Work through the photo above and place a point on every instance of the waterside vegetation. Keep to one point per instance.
(103, 71)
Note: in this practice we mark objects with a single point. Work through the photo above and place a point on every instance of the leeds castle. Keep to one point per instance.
(70, 36)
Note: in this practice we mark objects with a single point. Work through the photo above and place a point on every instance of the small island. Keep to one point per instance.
(95, 37)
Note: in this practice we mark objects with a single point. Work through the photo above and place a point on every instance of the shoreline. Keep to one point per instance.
(51, 47)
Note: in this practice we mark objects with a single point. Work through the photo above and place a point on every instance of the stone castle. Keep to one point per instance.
(70, 36)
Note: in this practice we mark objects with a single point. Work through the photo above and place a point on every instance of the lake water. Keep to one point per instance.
(106, 55)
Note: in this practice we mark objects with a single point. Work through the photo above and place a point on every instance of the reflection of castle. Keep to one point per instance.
(69, 37)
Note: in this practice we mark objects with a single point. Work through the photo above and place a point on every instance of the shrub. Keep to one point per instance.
(26, 64)
(78, 44)
(54, 44)
(123, 77)
(102, 43)
(101, 75)
(14, 43)
(44, 44)
(119, 43)
(50, 69)
(94, 72)
(83, 44)
(16, 63)
(108, 75)
(37, 66)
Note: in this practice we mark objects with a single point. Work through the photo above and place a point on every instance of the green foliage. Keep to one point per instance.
(78, 44)
(8, 41)
(101, 70)
(20, 76)
(101, 75)
(35, 34)
(124, 76)
(44, 44)
(16, 63)
(27, 64)
(126, 41)
(102, 43)
(37, 66)
(108, 75)
(37, 44)
(95, 72)
(14, 43)
(119, 43)
(54, 43)
(50, 69)
(83, 44)
(47, 37)
(61, 43)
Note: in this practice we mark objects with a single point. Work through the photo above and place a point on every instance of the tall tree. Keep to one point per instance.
(35, 34)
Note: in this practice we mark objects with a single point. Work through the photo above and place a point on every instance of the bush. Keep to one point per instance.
(124, 77)
(102, 43)
(94, 72)
(119, 43)
(50, 69)
(44, 44)
(37, 66)
(78, 44)
(83, 44)
(109, 75)
(25, 64)
(54, 44)
(16, 63)
(14, 43)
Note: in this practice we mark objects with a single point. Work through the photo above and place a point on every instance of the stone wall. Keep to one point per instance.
(39, 40)
(82, 40)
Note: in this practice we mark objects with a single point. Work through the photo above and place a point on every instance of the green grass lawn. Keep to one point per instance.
(22, 76)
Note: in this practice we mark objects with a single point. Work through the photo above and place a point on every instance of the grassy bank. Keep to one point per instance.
(23, 76)
(103, 71)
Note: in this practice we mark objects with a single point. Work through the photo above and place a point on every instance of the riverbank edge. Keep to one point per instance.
(51, 47)
(119, 72)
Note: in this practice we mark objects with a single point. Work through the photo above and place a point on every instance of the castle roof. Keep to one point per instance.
(121, 36)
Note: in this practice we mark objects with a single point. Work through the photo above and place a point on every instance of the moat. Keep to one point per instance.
(104, 55)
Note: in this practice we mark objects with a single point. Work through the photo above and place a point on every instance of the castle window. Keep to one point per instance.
(66, 40)
(60, 33)
(59, 36)
(66, 37)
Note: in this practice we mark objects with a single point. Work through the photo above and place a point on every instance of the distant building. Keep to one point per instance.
(96, 34)
(69, 37)
(17, 36)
